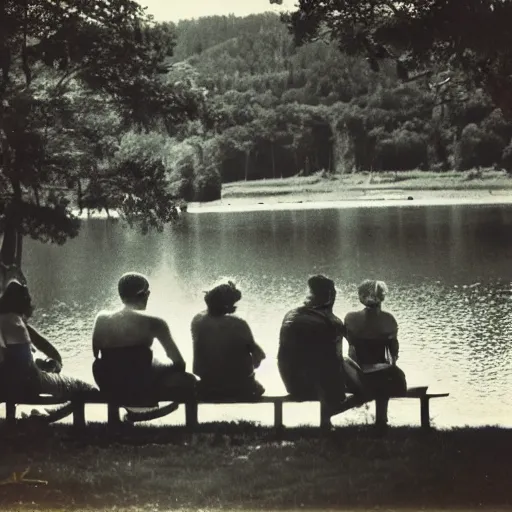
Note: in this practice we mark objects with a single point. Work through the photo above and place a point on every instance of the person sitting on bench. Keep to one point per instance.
(21, 376)
(124, 366)
(373, 349)
(225, 353)
(309, 355)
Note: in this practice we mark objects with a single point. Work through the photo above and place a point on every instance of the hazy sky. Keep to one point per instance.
(174, 10)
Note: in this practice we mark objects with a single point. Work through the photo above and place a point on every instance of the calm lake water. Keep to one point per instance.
(445, 266)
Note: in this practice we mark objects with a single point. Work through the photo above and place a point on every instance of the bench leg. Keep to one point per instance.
(114, 418)
(325, 418)
(425, 412)
(278, 415)
(381, 411)
(10, 411)
(191, 420)
(79, 414)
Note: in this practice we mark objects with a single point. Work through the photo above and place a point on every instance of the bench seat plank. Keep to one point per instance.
(77, 406)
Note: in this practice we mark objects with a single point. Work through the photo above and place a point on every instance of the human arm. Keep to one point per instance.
(257, 353)
(43, 345)
(341, 333)
(163, 334)
(96, 335)
(392, 342)
(393, 347)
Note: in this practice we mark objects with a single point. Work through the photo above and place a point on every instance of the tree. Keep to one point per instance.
(56, 58)
(423, 38)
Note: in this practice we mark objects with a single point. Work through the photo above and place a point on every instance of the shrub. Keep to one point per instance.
(506, 159)
(182, 179)
(477, 148)
(401, 150)
(207, 184)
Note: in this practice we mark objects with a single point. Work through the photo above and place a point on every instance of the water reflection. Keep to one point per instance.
(445, 266)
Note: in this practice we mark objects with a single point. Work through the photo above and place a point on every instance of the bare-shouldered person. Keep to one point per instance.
(122, 341)
(372, 335)
(225, 352)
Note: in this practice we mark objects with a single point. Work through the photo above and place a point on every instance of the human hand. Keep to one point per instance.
(49, 365)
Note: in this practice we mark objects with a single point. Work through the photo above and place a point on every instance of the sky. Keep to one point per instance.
(174, 10)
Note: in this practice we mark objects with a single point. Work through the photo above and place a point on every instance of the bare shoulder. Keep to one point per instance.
(389, 319)
(351, 316)
(154, 321)
(236, 320)
(198, 317)
(102, 316)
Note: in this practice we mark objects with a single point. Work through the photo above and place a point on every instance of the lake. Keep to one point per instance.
(446, 268)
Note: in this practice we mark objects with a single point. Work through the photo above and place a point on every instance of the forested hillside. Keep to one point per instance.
(274, 110)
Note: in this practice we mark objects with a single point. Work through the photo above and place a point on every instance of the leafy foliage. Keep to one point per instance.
(74, 76)
(471, 36)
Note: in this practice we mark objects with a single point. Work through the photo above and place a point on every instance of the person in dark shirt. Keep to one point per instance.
(372, 335)
(310, 349)
(225, 353)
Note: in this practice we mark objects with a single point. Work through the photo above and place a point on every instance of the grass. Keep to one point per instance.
(340, 185)
(243, 466)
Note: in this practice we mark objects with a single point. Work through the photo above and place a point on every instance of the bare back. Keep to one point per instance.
(123, 328)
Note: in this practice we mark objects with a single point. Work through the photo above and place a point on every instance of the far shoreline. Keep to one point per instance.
(372, 198)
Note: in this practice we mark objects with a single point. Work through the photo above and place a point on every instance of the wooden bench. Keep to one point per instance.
(77, 408)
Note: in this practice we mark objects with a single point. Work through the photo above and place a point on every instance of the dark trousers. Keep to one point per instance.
(240, 389)
(314, 382)
(144, 385)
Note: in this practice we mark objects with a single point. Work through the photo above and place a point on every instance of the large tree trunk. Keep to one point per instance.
(11, 250)
(247, 158)
(273, 160)
(11, 255)
(342, 149)
(440, 152)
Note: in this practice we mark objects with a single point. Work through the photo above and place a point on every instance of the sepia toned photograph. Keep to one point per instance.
(255, 255)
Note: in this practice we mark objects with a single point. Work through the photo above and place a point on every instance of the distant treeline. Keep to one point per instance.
(275, 110)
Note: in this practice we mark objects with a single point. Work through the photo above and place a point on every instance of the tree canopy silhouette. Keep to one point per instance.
(68, 70)
(422, 37)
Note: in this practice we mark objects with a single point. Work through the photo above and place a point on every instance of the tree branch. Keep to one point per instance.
(24, 59)
(69, 75)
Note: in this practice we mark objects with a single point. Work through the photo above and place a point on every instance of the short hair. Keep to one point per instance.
(15, 298)
(221, 298)
(132, 286)
(321, 285)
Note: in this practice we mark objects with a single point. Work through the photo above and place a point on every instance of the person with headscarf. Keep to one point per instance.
(225, 352)
(122, 339)
(310, 344)
(21, 376)
(372, 335)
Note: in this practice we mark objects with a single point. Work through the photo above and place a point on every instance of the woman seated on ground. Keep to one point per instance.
(122, 339)
(225, 353)
(372, 337)
(20, 375)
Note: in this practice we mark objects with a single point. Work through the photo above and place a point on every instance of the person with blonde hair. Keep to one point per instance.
(372, 335)
(225, 352)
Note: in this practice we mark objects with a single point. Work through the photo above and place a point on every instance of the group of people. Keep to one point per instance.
(225, 354)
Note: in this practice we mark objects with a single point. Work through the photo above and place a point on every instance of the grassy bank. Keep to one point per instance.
(247, 467)
(385, 185)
